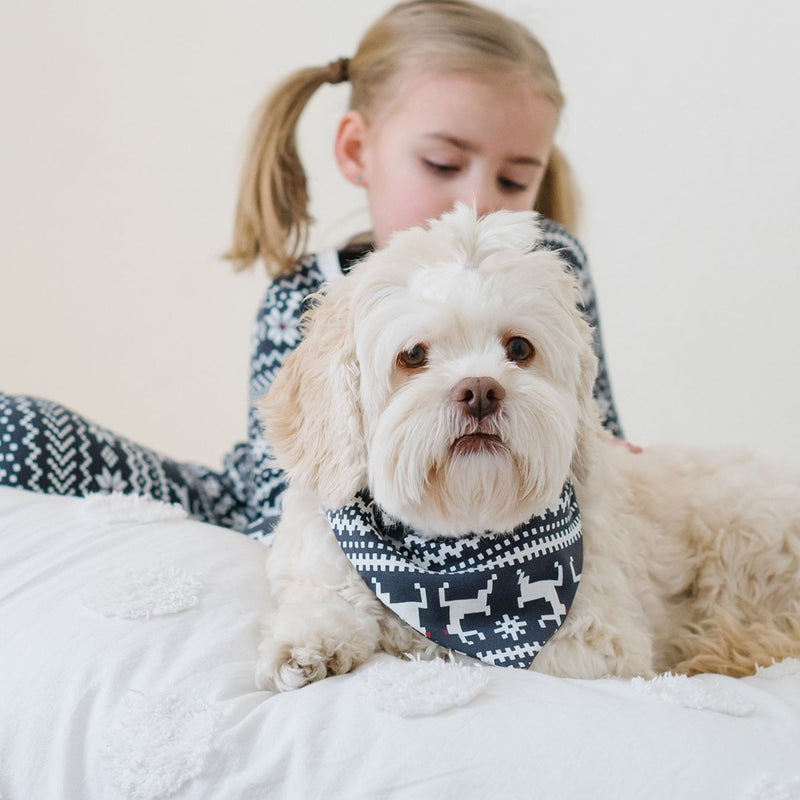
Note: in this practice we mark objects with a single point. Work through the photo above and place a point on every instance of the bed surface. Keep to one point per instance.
(129, 638)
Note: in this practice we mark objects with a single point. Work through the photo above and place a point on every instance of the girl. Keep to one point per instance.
(449, 102)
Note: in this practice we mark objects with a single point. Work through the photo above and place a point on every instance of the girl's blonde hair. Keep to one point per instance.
(272, 218)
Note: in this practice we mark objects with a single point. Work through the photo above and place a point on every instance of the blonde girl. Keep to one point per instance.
(412, 41)
(449, 101)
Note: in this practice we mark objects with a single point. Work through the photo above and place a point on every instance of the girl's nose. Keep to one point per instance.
(483, 194)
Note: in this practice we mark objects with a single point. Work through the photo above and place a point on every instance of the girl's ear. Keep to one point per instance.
(350, 146)
(311, 414)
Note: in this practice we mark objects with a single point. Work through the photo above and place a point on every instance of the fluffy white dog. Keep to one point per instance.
(443, 392)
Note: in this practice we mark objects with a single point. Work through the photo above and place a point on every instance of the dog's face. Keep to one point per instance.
(451, 373)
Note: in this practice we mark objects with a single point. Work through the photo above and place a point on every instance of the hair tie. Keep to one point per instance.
(339, 71)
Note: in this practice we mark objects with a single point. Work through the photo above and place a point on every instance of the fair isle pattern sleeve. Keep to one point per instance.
(557, 238)
(276, 332)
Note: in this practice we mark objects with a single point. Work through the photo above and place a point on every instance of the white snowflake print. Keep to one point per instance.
(111, 481)
(511, 626)
(281, 327)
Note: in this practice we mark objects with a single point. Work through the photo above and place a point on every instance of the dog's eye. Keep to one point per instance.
(413, 358)
(519, 349)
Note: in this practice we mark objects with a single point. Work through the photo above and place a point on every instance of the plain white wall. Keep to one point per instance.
(123, 127)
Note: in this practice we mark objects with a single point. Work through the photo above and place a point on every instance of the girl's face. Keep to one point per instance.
(449, 138)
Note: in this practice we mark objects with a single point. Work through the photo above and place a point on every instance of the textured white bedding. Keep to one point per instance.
(129, 637)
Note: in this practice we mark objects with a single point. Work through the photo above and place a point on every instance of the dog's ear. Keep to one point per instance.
(311, 414)
(590, 429)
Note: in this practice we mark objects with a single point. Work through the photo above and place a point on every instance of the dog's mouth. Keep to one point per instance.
(473, 443)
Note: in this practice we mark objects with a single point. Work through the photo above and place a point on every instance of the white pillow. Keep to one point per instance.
(129, 637)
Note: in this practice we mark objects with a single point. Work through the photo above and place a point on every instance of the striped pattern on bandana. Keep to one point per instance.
(494, 597)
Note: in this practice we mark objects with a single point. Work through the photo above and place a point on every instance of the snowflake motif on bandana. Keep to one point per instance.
(495, 597)
(512, 627)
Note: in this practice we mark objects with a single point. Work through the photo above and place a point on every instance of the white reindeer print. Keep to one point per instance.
(408, 610)
(458, 609)
(543, 590)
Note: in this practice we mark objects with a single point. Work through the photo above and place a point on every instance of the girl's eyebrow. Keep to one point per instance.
(468, 147)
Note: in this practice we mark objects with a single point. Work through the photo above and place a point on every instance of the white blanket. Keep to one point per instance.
(129, 638)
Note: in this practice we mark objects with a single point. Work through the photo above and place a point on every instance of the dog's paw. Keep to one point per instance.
(305, 644)
(285, 666)
(289, 668)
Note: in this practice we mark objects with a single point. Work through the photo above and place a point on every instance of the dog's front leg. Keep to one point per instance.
(324, 620)
(606, 632)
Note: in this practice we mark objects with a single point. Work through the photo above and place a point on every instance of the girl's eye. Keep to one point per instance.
(413, 358)
(512, 186)
(439, 168)
(519, 350)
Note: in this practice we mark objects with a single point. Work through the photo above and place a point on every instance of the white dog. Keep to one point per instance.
(443, 395)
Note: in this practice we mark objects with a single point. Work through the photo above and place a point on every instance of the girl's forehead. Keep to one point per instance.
(445, 94)
(463, 111)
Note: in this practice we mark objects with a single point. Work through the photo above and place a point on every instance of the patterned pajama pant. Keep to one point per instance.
(45, 447)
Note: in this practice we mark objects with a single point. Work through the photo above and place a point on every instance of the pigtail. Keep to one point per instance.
(558, 197)
(272, 219)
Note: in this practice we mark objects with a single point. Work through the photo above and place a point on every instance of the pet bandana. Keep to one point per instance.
(494, 597)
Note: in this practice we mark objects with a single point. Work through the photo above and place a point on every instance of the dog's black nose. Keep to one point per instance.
(478, 397)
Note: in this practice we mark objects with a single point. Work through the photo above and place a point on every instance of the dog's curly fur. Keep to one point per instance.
(691, 558)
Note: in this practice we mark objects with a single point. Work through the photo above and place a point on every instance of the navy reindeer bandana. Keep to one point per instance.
(494, 597)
